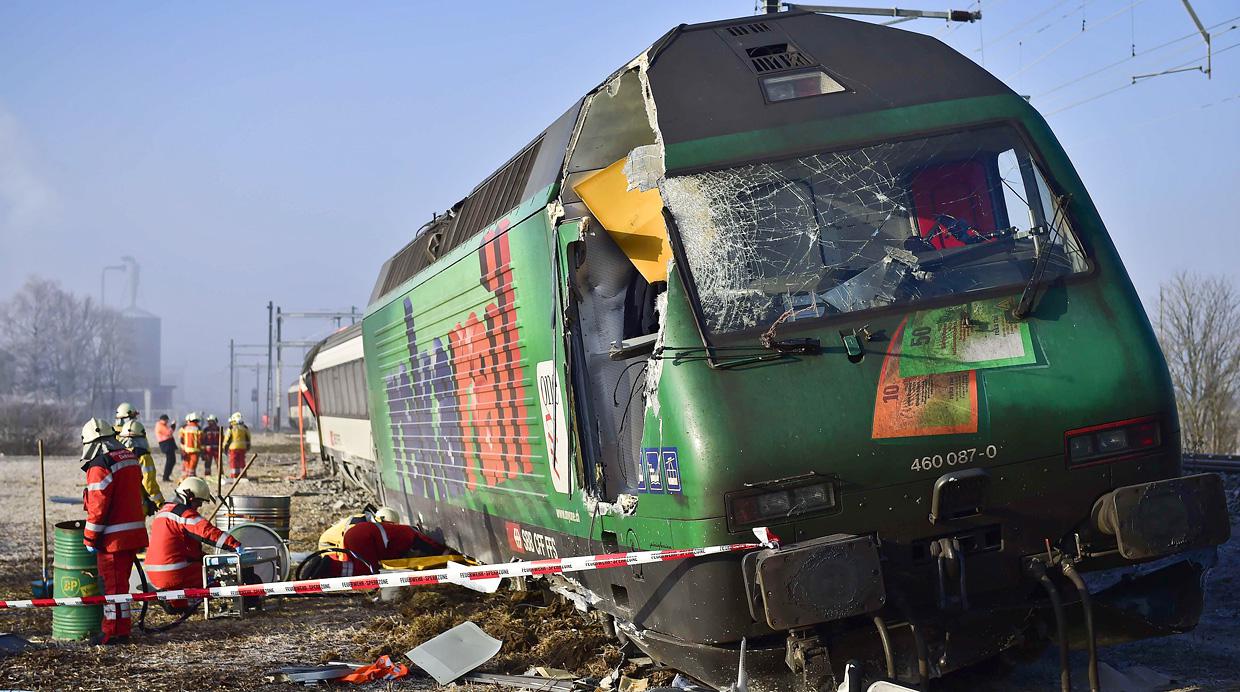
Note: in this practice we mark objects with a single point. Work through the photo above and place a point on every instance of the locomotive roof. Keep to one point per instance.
(705, 77)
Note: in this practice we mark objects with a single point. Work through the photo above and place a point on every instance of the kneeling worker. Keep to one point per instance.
(369, 543)
(178, 532)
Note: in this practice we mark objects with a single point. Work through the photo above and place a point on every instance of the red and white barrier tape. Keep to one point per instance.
(407, 577)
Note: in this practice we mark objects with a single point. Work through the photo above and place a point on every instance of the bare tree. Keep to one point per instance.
(1199, 327)
(61, 357)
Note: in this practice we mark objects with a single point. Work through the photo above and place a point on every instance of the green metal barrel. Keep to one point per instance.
(76, 574)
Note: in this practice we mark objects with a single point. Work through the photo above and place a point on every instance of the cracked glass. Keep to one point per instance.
(881, 225)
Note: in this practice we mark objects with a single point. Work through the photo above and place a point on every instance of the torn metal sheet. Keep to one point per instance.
(525, 682)
(454, 653)
(313, 674)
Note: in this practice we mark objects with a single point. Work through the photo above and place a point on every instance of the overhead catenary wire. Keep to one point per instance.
(1030, 20)
(1077, 35)
(1130, 84)
(1117, 63)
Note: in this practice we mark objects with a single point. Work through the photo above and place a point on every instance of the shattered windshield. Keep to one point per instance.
(886, 224)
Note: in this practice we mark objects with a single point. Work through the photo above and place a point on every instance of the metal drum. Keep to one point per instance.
(76, 574)
(270, 510)
(252, 535)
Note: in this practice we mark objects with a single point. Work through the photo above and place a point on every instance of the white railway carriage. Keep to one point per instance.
(336, 378)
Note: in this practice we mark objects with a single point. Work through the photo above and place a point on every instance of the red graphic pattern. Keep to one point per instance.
(489, 376)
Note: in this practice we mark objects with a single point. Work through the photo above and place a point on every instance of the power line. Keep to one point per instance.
(1117, 63)
(1077, 35)
(1131, 84)
(1028, 21)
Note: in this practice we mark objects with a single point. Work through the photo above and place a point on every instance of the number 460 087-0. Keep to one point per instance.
(956, 458)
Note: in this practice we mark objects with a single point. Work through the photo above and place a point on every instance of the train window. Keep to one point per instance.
(883, 225)
(342, 390)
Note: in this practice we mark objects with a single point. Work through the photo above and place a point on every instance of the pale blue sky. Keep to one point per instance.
(283, 150)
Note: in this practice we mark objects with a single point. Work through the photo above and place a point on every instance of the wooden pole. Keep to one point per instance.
(43, 501)
(219, 462)
(301, 433)
(232, 487)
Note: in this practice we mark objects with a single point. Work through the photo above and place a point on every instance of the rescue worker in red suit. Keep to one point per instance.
(211, 443)
(115, 526)
(371, 542)
(178, 532)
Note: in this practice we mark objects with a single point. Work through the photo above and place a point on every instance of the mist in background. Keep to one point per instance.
(282, 151)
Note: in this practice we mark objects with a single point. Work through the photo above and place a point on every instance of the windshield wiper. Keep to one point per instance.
(1042, 256)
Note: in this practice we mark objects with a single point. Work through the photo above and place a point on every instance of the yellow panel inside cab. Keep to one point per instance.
(421, 563)
(633, 218)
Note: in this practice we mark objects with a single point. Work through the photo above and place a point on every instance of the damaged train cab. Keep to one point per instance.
(813, 274)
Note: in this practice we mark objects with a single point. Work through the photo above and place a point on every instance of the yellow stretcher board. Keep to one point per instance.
(633, 218)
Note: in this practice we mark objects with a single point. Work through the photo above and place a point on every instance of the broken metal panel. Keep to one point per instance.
(632, 214)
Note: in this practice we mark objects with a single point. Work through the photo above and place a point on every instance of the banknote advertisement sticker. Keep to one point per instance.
(930, 404)
(976, 336)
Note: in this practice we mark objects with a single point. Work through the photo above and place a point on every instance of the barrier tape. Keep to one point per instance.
(405, 578)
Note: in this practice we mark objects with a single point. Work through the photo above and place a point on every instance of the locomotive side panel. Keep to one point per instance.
(453, 363)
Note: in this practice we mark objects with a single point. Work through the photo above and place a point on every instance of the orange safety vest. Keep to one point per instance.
(163, 431)
(191, 438)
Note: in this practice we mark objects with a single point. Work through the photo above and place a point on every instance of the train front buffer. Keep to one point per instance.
(1136, 565)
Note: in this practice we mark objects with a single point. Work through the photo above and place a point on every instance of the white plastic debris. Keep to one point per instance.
(454, 653)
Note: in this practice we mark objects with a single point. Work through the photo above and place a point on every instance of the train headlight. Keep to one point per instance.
(770, 504)
(1112, 441)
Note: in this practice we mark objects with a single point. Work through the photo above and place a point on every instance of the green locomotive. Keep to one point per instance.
(812, 274)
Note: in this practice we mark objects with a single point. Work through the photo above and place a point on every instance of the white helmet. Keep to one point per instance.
(194, 488)
(191, 417)
(126, 410)
(211, 417)
(236, 418)
(96, 429)
(387, 514)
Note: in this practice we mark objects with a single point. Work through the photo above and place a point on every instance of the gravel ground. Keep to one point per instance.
(238, 654)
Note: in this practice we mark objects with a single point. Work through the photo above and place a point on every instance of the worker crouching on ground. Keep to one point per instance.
(115, 530)
(174, 560)
(369, 543)
(132, 434)
(167, 444)
(191, 446)
(237, 442)
(210, 443)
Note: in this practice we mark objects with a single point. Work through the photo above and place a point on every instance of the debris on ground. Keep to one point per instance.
(527, 682)
(310, 675)
(1134, 679)
(12, 644)
(454, 653)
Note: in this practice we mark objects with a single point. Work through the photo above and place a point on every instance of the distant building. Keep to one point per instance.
(142, 385)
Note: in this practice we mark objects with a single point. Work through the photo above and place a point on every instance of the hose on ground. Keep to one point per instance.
(1061, 626)
(1070, 572)
(146, 586)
